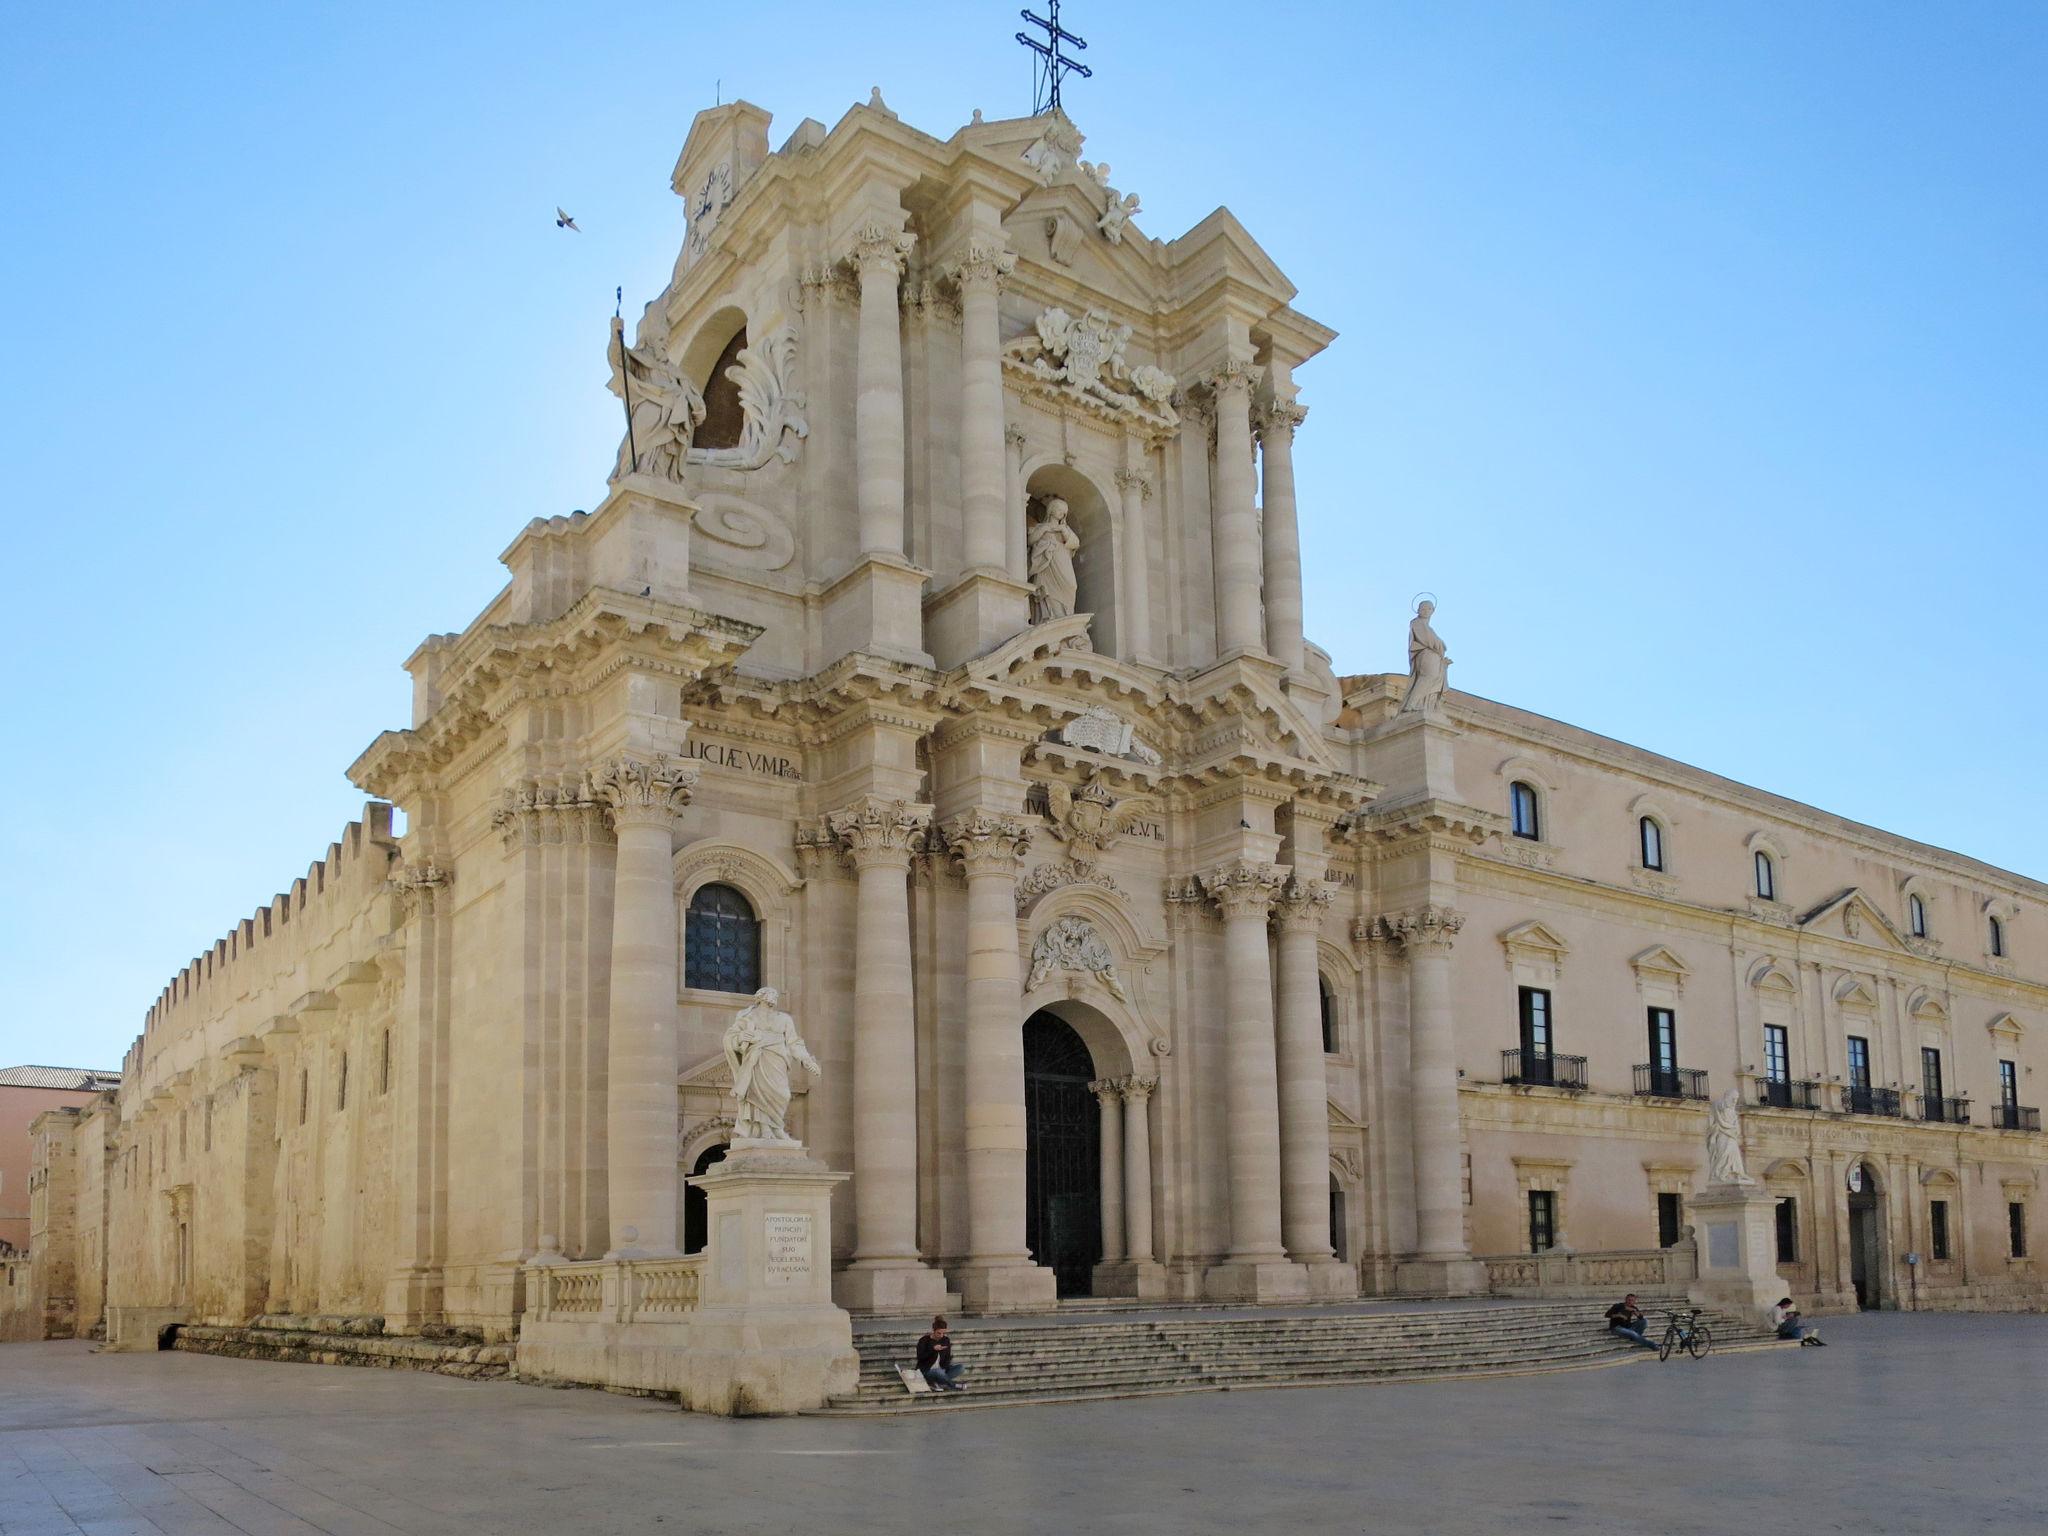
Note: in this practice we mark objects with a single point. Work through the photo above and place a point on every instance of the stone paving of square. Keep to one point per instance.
(1905, 1424)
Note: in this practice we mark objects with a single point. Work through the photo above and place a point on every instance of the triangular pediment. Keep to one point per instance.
(712, 1072)
(1534, 940)
(1852, 916)
(1660, 962)
(2005, 1027)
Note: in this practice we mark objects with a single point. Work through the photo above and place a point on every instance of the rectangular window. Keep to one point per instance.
(1542, 1220)
(1788, 1231)
(1930, 1076)
(1663, 1051)
(2016, 1227)
(1670, 1217)
(1535, 1028)
(2008, 1084)
(1777, 1054)
(1937, 1229)
(1859, 1062)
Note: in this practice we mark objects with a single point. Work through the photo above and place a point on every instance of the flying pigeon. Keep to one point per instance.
(563, 221)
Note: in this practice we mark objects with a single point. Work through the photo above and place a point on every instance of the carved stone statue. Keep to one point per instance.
(1428, 666)
(1724, 1140)
(667, 409)
(761, 1048)
(1053, 546)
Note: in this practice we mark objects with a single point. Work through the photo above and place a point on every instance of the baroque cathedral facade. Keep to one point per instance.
(936, 658)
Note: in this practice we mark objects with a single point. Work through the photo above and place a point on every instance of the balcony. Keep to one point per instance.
(1544, 1070)
(1788, 1093)
(1654, 1082)
(1870, 1101)
(2015, 1117)
(1945, 1111)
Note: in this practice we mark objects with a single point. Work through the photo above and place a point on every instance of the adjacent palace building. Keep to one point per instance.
(936, 659)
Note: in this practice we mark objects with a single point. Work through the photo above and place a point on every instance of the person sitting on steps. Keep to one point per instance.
(1626, 1319)
(1786, 1316)
(935, 1359)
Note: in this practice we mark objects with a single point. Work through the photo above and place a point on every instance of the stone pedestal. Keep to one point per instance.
(766, 1337)
(975, 614)
(1425, 1275)
(1256, 1281)
(1738, 1255)
(877, 608)
(1140, 1278)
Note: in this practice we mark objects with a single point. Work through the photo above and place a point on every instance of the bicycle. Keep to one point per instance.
(1685, 1331)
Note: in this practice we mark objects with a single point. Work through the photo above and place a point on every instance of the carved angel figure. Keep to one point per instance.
(1053, 546)
(761, 1048)
(1117, 215)
(666, 408)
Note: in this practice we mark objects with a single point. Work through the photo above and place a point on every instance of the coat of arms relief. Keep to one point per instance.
(1082, 359)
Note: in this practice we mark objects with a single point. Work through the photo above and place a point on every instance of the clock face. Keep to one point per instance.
(709, 203)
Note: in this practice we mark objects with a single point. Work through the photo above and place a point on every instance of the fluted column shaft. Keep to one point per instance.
(1235, 517)
(989, 848)
(1304, 1085)
(878, 413)
(641, 1063)
(1433, 1082)
(1138, 1170)
(983, 474)
(878, 836)
(1109, 1094)
(1281, 533)
(1136, 628)
(1245, 892)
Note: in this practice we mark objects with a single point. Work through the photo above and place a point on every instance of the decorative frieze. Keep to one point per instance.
(1064, 872)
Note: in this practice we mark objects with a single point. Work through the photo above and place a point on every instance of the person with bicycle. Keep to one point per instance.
(1626, 1319)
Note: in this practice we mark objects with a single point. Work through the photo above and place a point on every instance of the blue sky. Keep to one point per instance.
(1695, 356)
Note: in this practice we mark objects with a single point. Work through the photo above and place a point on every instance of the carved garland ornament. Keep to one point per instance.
(1053, 877)
(1072, 944)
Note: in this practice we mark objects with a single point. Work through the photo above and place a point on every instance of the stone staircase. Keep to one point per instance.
(1060, 1360)
(347, 1341)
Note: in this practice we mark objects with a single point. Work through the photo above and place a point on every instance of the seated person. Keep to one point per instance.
(1785, 1315)
(1626, 1318)
(935, 1359)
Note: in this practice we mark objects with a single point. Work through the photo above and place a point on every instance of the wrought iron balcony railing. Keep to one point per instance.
(1655, 1082)
(1870, 1101)
(1545, 1069)
(1949, 1111)
(2015, 1117)
(1788, 1093)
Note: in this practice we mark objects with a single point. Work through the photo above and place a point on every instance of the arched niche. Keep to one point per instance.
(1091, 514)
(705, 360)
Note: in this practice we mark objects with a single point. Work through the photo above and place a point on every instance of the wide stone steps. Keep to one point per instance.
(1026, 1361)
(448, 1356)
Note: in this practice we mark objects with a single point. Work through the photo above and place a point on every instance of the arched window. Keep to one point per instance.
(1997, 938)
(1916, 916)
(721, 942)
(1766, 877)
(724, 420)
(1522, 810)
(1329, 1006)
(1652, 837)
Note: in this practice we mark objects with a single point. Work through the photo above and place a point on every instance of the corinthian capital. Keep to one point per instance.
(874, 831)
(1134, 481)
(1302, 904)
(1245, 888)
(1138, 1089)
(1232, 375)
(1278, 416)
(985, 843)
(985, 263)
(1429, 927)
(878, 248)
(644, 789)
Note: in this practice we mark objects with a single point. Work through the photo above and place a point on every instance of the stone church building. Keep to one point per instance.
(936, 658)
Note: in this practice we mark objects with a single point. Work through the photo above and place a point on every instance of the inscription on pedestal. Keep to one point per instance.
(788, 1235)
(1724, 1246)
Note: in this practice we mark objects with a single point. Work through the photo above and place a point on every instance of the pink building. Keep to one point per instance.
(26, 1092)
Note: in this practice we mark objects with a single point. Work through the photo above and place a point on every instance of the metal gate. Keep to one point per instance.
(1062, 1167)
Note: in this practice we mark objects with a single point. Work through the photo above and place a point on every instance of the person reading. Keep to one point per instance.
(935, 1359)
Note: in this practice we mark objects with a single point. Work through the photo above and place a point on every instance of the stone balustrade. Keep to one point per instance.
(1561, 1272)
(615, 1290)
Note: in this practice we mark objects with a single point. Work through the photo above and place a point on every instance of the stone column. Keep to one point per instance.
(1109, 1094)
(1235, 518)
(983, 474)
(644, 795)
(1015, 534)
(887, 1273)
(1136, 490)
(1138, 1169)
(1304, 1084)
(878, 417)
(999, 1275)
(1281, 536)
(1427, 933)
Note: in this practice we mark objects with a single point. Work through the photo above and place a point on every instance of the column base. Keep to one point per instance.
(876, 608)
(975, 615)
(412, 1300)
(1141, 1278)
(1331, 1279)
(889, 1287)
(1256, 1280)
(995, 1288)
(1445, 1275)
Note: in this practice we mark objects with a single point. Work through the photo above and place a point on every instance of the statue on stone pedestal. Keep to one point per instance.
(761, 1046)
(1053, 545)
(1428, 666)
(666, 408)
(1724, 1140)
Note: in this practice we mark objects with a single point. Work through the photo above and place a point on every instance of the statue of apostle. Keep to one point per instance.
(761, 1048)
(1053, 543)
(665, 408)
(1428, 666)
(1724, 1140)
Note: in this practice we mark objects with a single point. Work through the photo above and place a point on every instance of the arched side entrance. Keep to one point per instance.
(1867, 1272)
(1063, 1153)
(696, 1214)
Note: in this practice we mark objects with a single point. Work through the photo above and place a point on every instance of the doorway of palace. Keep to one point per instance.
(1063, 1153)
(1866, 1241)
(696, 1209)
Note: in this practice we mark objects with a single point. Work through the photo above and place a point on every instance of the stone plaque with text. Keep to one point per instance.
(789, 1248)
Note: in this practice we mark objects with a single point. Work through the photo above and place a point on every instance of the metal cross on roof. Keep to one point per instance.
(1050, 63)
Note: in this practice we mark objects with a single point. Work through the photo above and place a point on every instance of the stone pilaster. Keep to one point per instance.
(1109, 1097)
(644, 795)
(1443, 1261)
(1235, 517)
(982, 477)
(1281, 537)
(878, 256)
(1304, 1085)
(1135, 630)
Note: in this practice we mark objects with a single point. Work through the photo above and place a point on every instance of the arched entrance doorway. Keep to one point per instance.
(1866, 1237)
(696, 1217)
(1063, 1153)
